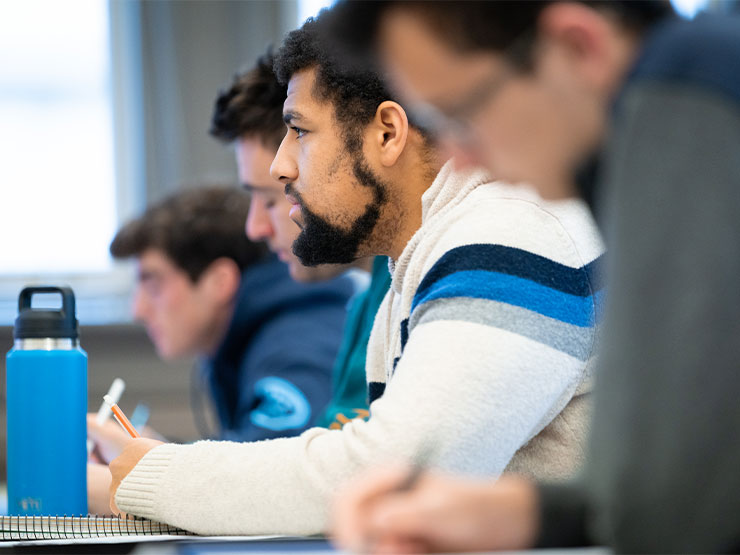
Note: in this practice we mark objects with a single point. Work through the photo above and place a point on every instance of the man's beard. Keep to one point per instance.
(321, 242)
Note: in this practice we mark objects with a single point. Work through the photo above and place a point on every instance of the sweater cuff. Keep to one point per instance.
(136, 493)
(563, 516)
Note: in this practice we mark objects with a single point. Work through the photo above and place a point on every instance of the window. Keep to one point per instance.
(59, 197)
(689, 8)
(309, 8)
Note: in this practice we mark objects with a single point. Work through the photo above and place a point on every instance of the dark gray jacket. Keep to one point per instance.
(664, 466)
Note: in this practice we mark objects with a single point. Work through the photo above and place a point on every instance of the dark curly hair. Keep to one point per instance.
(252, 106)
(355, 92)
(193, 228)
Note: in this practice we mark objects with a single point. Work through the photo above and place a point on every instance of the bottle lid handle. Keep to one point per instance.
(68, 297)
(40, 323)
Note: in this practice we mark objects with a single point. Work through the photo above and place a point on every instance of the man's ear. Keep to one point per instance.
(220, 281)
(390, 131)
(586, 37)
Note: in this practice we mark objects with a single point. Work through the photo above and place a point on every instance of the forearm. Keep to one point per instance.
(440, 400)
(280, 486)
(228, 488)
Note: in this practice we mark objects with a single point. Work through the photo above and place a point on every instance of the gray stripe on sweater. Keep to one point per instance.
(567, 338)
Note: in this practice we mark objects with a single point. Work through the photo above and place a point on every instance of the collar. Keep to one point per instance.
(447, 190)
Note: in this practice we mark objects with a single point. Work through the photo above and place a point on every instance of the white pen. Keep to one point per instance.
(104, 412)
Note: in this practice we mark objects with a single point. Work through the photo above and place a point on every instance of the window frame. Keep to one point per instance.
(104, 297)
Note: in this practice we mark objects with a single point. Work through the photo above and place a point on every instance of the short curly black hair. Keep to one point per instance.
(355, 92)
(193, 228)
(252, 106)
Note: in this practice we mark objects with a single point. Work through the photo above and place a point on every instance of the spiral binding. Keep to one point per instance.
(28, 527)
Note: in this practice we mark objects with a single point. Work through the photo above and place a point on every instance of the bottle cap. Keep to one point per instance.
(44, 322)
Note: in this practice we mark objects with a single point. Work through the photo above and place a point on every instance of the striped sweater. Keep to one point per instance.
(491, 313)
(495, 352)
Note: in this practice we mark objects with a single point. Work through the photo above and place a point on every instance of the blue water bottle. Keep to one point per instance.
(46, 402)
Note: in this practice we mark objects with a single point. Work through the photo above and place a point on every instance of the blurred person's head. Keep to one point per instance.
(521, 87)
(351, 164)
(250, 115)
(191, 251)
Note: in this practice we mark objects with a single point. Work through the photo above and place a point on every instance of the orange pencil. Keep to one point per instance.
(122, 420)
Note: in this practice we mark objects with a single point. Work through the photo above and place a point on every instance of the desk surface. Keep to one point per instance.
(299, 545)
(172, 545)
(185, 547)
(200, 547)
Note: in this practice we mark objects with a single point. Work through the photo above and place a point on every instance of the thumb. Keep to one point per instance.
(93, 427)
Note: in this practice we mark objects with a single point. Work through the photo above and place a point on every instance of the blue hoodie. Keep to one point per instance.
(271, 376)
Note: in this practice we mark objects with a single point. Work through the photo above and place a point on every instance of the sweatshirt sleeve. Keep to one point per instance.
(469, 392)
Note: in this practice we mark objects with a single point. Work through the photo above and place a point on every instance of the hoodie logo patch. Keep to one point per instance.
(282, 405)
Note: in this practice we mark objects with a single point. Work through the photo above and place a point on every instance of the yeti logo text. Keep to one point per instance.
(30, 504)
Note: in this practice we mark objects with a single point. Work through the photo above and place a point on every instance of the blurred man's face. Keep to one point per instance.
(178, 314)
(268, 219)
(534, 127)
(336, 198)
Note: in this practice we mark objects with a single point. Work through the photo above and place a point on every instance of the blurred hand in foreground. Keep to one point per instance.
(438, 513)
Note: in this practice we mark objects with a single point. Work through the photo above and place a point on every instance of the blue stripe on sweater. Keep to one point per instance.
(580, 282)
(517, 291)
(375, 391)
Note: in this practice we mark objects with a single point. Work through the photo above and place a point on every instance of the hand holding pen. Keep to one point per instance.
(358, 503)
(105, 436)
(130, 456)
(380, 512)
(114, 392)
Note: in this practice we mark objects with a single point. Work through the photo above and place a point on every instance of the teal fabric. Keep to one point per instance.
(348, 375)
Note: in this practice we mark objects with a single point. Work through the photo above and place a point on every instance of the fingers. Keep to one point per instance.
(439, 513)
(110, 438)
(95, 457)
(353, 504)
(107, 430)
(444, 513)
(98, 486)
(388, 546)
(92, 424)
(403, 514)
(411, 521)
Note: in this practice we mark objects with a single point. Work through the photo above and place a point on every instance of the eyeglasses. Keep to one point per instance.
(456, 121)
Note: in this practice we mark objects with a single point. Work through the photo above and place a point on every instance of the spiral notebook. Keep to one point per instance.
(77, 527)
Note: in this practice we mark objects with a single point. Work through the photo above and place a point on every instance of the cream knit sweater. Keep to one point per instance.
(493, 353)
